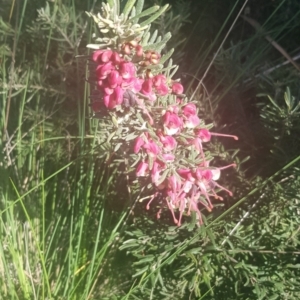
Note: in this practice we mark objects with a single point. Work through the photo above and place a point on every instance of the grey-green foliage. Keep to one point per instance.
(281, 115)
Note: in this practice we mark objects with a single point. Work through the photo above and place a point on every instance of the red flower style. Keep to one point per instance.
(174, 183)
(205, 135)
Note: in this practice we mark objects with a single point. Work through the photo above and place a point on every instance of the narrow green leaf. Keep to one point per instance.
(195, 250)
(271, 99)
(110, 136)
(288, 98)
(140, 271)
(117, 147)
(153, 37)
(145, 13)
(139, 6)
(158, 46)
(166, 56)
(131, 136)
(155, 16)
(163, 177)
(145, 38)
(133, 13)
(128, 7)
(148, 258)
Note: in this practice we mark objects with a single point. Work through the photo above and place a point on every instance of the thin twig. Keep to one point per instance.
(270, 70)
(23, 86)
(257, 26)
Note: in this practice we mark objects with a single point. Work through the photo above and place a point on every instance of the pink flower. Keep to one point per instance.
(151, 148)
(174, 109)
(114, 79)
(174, 183)
(96, 56)
(139, 142)
(108, 90)
(168, 142)
(106, 55)
(172, 123)
(103, 70)
(185, 173)
(116, 98)
(115, 58)
(191, 119)
(168, 157)
(142, 169)
(136, 85)
(147, 89)
(159, 81)
(127, 70)
(189, 109)
(204, 135)
(177, 88)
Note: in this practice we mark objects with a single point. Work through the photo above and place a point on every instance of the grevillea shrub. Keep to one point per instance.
(148, 119)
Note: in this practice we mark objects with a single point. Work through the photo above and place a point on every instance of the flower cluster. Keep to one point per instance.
(160, 131)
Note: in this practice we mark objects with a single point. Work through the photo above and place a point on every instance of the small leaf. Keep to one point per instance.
(163, 177)
(271, 99)
(140, 271)
(153, 37)
(146, 12)
(148, 258)
(155, 16)
(158, 46)
(166, 56)
(139, 6)
(128, 7)
(117, 147)
(131, 136)
(110, 136)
